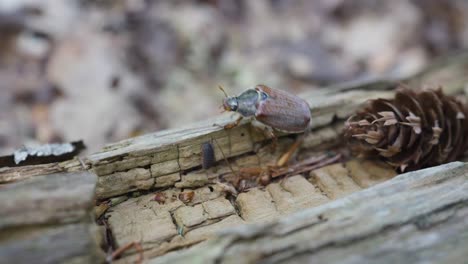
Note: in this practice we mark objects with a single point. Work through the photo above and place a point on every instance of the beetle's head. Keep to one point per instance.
(230, 104)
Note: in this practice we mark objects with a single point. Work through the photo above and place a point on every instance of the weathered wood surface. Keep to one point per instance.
(417, 217)
(71, 243)
(159, 159)
(49, 219)
(13, 174)
(168, 162)
(164, 227)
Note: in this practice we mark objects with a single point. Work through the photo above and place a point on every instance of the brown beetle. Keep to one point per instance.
(275, 108)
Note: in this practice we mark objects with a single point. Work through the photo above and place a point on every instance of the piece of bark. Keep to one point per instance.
(417, 217)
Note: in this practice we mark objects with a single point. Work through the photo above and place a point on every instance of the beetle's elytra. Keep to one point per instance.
(275, 108)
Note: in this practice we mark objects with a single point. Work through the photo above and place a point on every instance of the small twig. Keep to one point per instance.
(224, 157)
(307, 165)
(126, 247)
(249, 172)
(310, 161)
(276, 172)
(331, 160)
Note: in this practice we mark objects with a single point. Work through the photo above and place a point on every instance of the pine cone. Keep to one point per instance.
(412, 131)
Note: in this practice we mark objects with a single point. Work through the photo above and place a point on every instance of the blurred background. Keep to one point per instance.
(106, 70)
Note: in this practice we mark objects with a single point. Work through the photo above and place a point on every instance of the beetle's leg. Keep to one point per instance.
(274, 139)
(267, 132)
(232, 124)
(288, 154)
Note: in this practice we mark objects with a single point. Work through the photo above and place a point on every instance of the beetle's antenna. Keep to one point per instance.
(222, 89)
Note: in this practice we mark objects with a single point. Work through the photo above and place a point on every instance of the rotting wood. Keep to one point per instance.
(172, 224)
(419, 217)
(170, 159)
(49, 219)
(168, 154)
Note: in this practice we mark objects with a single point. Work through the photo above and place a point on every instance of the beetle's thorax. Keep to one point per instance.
(247, 102)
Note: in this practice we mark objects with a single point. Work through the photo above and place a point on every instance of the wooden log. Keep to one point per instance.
(417, 217)
(49, 219)
(169, 160)
(162, 157)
